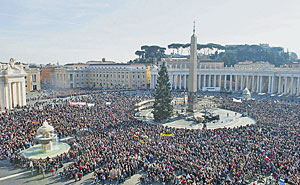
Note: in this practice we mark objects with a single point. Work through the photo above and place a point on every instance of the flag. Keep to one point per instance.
(163, 134)
(268, 158)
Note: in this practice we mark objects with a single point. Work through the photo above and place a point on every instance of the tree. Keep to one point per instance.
(162, 107)
(176, 46)
(140, 54)
(151, 52)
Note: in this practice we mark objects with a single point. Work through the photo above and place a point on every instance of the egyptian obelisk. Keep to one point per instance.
(192, 80)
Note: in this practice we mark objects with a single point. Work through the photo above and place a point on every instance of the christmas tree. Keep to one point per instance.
(162, 108)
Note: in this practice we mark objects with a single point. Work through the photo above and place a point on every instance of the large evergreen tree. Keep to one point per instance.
(162, 108)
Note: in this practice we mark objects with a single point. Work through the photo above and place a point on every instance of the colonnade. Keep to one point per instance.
(12, 94)
(270, 82)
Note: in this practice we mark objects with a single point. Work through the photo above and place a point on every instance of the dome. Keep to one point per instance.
(246, 91)
(45, 128)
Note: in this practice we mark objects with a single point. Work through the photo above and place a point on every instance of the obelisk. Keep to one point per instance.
(192, 80)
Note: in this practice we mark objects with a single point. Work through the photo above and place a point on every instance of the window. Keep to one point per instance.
(71, 77)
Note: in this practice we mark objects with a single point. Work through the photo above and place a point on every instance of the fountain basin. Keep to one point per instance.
(35, 152)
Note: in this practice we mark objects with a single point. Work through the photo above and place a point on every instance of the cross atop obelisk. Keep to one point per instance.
(192, 79)
(194, 29)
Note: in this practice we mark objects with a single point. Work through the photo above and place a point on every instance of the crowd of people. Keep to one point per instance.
(110, 142)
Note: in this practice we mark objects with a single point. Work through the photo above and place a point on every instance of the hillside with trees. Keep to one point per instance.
(229, 54)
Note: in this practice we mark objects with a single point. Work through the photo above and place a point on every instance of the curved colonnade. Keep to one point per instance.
(272, 81)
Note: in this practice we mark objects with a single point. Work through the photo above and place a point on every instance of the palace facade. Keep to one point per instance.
(100, 74)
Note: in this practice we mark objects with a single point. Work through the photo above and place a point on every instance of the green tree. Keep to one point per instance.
(140, 54)
(162, 107)
(176, 46)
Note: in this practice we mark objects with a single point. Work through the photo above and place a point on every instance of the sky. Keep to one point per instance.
(68, 31)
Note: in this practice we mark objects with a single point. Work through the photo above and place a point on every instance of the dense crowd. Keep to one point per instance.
(113, 145)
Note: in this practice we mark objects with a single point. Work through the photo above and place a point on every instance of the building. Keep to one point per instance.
(251, 65)
(33, 78)
(257, 77)
(46, 76)
(294, 65)
(184, 62)
(12, 85)
(101, 75)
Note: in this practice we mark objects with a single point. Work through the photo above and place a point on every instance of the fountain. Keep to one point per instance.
(46, 136)
(48, 144)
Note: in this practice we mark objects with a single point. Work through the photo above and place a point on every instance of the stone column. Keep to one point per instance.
(230, 86)
(298, 86)
(260, 83)
(199, 82)
(18, 84)
(179, 81)
(9, 95)
(257, 84)
(285, 85)
(184, 82)
(247, 81)
(279, 85)
(273, 84)
(171, 81)
(209, 80)
(242, 82)
(236, 83)
(215, 80)
(220, 81)
(225, 81)
(204, 80)
(175, 81)
(252, 84)
(2, 87)
(292, 86)
(269, 85)
(14, 94)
